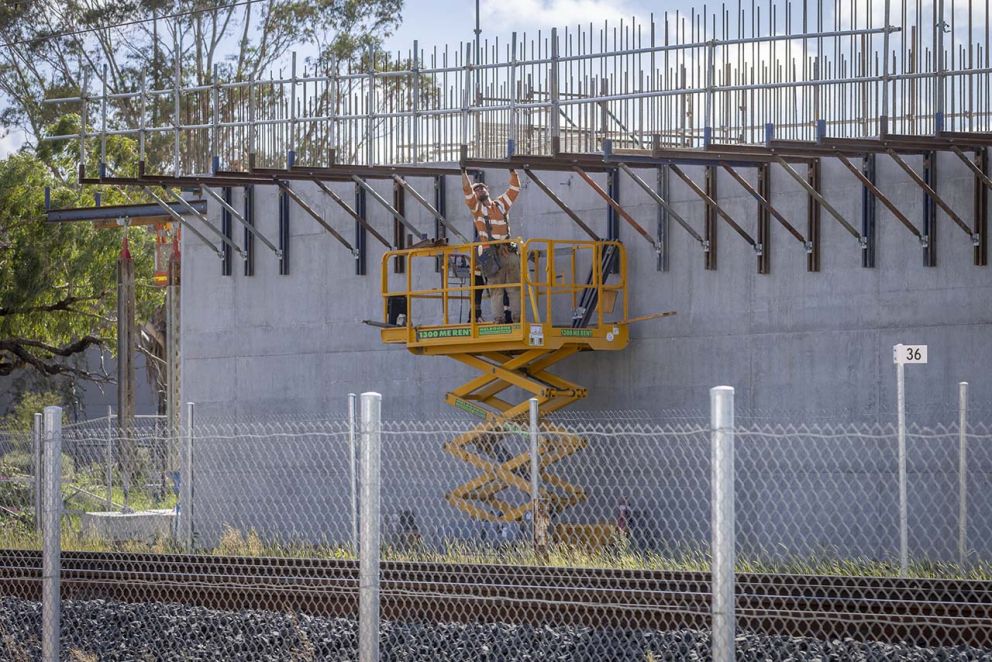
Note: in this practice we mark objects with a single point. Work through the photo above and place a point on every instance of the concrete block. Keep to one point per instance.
(147, 526)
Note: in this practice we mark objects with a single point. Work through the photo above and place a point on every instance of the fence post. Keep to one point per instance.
(186, 483)
(963, 475)
(51, 537)
(903, 483)
(723, 525)
(368, 574)
(352, 402)
(538, 521)
(109, 457)
(38, 464)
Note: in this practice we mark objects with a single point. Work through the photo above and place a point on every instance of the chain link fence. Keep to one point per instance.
(241, 540)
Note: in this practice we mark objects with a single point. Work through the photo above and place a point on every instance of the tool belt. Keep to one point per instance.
(491, 258)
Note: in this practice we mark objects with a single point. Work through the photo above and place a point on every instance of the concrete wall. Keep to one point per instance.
(807, 343)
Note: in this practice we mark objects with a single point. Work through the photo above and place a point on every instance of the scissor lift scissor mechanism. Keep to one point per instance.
(573, 298)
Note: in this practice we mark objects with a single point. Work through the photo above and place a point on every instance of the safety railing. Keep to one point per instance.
(436, 292)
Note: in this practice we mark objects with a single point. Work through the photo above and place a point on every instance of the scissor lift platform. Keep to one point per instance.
(573, 298)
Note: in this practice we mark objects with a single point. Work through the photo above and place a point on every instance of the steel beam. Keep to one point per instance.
(875, 191)
(175, 215)
(710, 218)
(226, 229)
(714, 205)
(113, 212)
(869, 214)
(620, 211)
(929, 190)
(302, 204)
(980, 238)
(361, 231)
(227, 240)
(241, 219)
(764, 214)
(429, 207)
(249, 237)
(661, 202)
(815, 193)
(359, 218)
(930, 209)
(392, 210)
(763, 201)
(813, 218)
(561, 204)
(982, 177)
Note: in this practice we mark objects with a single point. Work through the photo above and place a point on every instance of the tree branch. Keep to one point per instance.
(65, 304)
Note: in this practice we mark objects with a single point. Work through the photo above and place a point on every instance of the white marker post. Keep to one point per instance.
(901, 355)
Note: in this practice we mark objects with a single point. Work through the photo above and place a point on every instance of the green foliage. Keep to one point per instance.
(21, 416)
(58, 281)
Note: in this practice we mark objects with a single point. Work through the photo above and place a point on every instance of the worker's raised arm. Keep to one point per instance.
(511, 193)
(470, 200)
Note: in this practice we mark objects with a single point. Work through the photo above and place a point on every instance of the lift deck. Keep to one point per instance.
(574, 298)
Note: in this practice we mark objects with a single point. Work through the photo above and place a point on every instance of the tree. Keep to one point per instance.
(57, 282)
(236, 40)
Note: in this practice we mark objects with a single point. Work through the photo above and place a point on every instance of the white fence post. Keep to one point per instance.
(368, 573)
(352, 406)
(538, 524)
(186, 483)
(963, 475)
(109, 458)
(51, 538)
(903, 482)
(38, 466)
(723, 541)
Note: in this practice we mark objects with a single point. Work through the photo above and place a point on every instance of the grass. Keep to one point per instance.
(234, 542)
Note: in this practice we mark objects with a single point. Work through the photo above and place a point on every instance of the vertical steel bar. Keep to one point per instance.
(51, 559)
(368, 608)
(176, 55)
(102, 168)
(38, 466)
(962, 476)
(352, 407)
(186, 483)
(903, 505)
(723, 525)
(553, 91)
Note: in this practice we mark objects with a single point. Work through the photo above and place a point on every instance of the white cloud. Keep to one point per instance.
(11, 142)
(505, 15)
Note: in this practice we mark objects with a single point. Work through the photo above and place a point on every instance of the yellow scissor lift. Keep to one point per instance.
(570, 302)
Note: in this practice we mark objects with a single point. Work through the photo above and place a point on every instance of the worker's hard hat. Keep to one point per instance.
(479, 185)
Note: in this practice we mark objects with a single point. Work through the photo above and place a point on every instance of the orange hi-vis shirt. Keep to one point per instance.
(496, 209)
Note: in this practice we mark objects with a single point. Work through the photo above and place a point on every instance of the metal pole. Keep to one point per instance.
(186, 483)
(903, 507)
(51, 539)
(723, 542)
(963, 475)
(352, 406)
(109, 457)
(368, 574)
(537, 527)
(38, 460)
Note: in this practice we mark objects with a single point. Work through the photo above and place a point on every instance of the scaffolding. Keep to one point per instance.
(684, 79)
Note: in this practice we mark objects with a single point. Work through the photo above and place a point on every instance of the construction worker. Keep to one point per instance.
(491, 220)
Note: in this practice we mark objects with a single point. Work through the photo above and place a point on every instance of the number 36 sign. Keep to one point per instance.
(909, 353)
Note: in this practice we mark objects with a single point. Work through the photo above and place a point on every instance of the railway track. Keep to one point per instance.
(923, 612)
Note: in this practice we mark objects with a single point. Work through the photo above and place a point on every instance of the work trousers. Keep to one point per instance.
(508, 274)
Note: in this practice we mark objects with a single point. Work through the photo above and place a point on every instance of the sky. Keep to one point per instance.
(449, 21)
(439, 22)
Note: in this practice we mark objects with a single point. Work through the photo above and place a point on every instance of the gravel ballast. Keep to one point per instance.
(99, 630)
